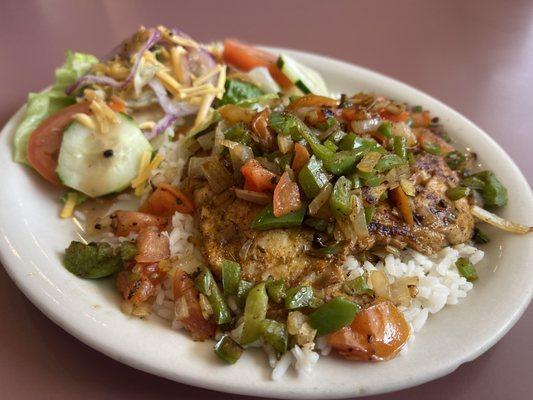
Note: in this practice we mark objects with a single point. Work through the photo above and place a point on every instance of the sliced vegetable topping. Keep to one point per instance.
(333, 315)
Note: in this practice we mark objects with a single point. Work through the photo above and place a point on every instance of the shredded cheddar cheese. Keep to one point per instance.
(145, 173)
(145, 160)
(68, 208)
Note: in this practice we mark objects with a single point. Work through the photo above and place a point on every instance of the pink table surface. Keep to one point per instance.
(476, 56)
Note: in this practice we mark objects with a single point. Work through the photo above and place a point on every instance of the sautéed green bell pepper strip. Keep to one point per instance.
(254, 313)
(228, 349)
(206, 284)
(267, 220)
(333, 315)
(312, 177)
(284, 124)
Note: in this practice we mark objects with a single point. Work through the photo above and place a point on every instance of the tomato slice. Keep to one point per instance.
(286, 196)
(45, 141)
(257, 178)
(246, 57)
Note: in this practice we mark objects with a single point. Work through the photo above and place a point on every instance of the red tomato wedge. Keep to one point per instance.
(286, 196)
(45, 141)
(125, 222)
(377, 333)
(257, 178)
(246, 57)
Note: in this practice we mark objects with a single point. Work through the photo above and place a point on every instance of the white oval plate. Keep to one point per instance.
(32, 239)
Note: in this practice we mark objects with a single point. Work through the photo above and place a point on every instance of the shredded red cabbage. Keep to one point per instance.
(154, 37)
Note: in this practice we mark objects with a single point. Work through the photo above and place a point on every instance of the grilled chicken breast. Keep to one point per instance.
(224, 222)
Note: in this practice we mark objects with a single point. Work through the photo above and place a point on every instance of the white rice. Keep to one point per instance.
(439, 281)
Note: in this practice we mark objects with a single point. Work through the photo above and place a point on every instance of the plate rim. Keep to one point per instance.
(8, 260)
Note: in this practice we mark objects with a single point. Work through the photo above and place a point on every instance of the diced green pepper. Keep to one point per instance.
(356, 181)
(203, 281)
(275, 334)
(288, 124)
(455, 159)
(312, 177)
(399, 144)
(417, 109)
(369, 213)
(254, 313)
(328, 124)
(466, 269)
(344, 162)
(493, 192)
(267, 220)
(333, 315)
(326, 252)
(298, 297)
(480, 237)
(238, 133)
(473, 182)
(432, 148)
(316, 223)
(228, 349)
(231, 276)
(388, 162)
(370, 179)
(351, 141)
(386, 129)
(207, 285)
(458, 192)
(339, 201)
(330, 145)
(276, 290)
(242, 291)
(357, 286)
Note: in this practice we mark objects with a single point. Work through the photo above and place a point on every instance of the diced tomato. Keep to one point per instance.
(166, 200)
(260, 132)
(187, 307)
(134, 287)
(125, 222)
(246, 57)
(376, 333)
(45, 141)
(301, 157)
(286, 196)
(257, 178)
(152, 246)
(401, 117)
(137, 282)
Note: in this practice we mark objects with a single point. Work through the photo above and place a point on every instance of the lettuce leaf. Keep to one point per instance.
(41, 105)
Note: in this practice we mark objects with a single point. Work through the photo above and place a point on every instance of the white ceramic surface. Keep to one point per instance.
(32, 238)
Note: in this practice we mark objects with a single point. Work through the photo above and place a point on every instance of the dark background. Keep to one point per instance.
(475, 56)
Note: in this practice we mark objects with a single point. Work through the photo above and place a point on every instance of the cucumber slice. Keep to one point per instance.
(305, 78)
(101, 163)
